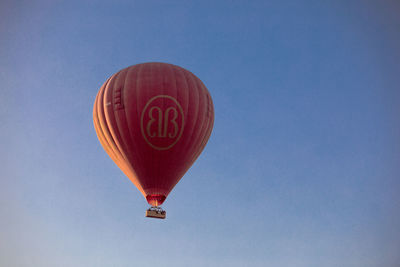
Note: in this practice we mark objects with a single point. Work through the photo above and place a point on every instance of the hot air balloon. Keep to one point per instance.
(153, 120)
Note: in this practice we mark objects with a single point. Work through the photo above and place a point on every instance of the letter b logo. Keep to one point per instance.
(162, 122)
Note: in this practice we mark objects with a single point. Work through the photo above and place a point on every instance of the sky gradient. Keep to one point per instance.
(302, 167)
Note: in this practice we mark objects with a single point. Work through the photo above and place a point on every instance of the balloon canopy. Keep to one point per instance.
(153, 120)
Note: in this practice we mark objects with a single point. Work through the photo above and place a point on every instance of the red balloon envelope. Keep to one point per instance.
(153, 120)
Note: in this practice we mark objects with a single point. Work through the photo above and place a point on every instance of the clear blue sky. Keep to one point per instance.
(303, 165)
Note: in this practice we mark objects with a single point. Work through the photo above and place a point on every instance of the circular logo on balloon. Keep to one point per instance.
(162, 122)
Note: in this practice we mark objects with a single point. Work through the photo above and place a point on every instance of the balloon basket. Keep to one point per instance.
(156, 212)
